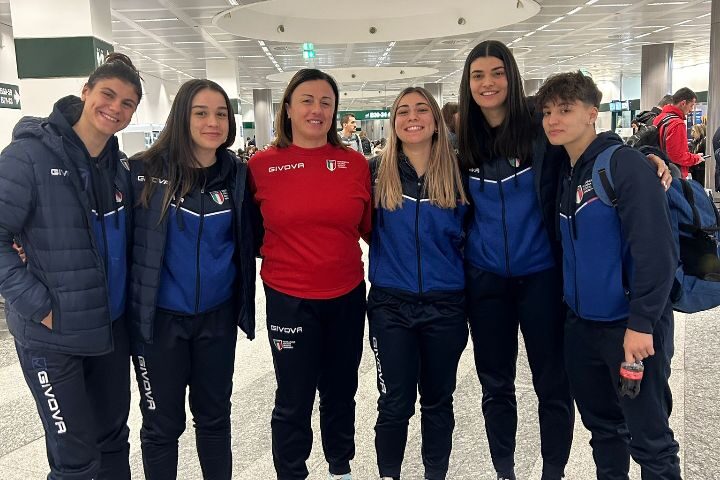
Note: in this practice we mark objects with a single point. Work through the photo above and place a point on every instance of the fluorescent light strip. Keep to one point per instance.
(682, 23)
(173, 19)
(558, 19)
(574, 10)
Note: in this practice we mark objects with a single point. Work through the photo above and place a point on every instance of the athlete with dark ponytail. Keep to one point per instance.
(65, 197)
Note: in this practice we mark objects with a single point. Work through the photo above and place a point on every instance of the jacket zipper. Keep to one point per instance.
(505, 232)
(571, 237)
(417, 236)
(197, 252)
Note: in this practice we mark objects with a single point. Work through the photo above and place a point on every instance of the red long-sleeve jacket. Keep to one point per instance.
(676, 141)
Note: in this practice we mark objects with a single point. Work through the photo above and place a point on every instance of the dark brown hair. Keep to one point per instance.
(283, 127)
(569, 87)
(448, 114)
(514, 136)
(174, 147)
(117, 65)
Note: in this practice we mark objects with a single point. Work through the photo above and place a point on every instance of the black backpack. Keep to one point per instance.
(648, 135)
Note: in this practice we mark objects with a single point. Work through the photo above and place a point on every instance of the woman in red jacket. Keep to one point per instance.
(314, 196)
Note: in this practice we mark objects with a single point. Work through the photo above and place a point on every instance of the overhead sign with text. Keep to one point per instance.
(9, 96)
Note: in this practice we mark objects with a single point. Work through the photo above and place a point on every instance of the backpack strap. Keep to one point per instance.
(661, 129)
(602, 177)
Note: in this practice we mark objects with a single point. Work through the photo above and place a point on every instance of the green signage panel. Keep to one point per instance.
(367, 114)
(59, 57)
(9, 96)
(248, 125)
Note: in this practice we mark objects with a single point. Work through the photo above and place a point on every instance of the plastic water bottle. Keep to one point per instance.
(631, 375)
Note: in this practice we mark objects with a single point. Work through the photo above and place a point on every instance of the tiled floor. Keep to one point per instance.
(696, 417)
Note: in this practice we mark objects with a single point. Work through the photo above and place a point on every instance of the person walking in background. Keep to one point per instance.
(66, 197)
(672, 131)
(416, 306)
(348, 136)
(314, 197)
(192, 279)
(450, 117)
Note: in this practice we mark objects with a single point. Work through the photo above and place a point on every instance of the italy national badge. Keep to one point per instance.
(331, 165)
(218, 196)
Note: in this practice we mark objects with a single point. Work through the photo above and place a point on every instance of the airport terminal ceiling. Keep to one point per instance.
(172, 39)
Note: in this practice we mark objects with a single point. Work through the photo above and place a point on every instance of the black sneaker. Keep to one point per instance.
(506, 476)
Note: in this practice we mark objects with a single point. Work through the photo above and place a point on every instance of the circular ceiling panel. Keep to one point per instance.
(327, 21)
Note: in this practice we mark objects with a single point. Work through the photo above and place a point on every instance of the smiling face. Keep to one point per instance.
(109, 105)
(209, 122)
(311, 113)
(488, 83)
(414, 120)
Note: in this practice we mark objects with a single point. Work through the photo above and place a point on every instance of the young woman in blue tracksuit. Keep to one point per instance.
(617, 289)
(191, 281)
(66, 197)
(416, 305)
(510, 257)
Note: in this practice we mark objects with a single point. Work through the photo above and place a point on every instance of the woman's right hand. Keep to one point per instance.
(20, 251)
(47, 321)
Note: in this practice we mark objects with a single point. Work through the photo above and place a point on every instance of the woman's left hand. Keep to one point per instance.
(662, 170)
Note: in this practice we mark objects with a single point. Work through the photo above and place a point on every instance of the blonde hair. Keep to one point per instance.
(698, 131)
(443, 182)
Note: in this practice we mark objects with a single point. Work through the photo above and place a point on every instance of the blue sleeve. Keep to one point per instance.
(645, 224)
(23, 292)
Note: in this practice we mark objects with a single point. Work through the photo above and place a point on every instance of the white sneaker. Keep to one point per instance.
(345, 476)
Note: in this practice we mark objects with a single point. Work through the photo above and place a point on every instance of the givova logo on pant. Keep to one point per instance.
(147, 388)
(381, 380)
(52, 402)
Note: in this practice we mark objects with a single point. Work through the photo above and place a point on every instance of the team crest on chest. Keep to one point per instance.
(333, 165)
(583, 190)
(219, 196)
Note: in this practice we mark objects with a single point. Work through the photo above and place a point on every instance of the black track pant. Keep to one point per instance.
(496, 307)
(83, 403)
(187, 351)
(417, 345)
(622, 427)
(316, 345)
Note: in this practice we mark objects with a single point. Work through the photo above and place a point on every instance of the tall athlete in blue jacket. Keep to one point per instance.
(65, 196)
(416, 306)
(511, 257)
(192, 280)
(618, 265)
